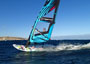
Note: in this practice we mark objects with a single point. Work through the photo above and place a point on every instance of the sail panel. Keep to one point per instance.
(44, 36)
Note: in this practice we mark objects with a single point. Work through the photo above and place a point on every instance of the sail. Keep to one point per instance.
(44, 36)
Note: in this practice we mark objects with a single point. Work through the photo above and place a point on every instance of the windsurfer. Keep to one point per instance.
(49, 6)
(28, 42)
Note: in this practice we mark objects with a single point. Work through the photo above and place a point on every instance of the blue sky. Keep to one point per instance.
(18, 16)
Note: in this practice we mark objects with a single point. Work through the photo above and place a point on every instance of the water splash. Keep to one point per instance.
(64, 46)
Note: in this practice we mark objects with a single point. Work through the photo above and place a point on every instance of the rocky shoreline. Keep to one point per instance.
(11, 38)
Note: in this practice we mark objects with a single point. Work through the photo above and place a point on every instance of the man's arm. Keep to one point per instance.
(42, 33)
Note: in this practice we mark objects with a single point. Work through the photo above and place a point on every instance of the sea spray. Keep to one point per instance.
(64, 46)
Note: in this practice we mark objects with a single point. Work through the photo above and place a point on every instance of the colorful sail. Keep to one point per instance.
(41, 36)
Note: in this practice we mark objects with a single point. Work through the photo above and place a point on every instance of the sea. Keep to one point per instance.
(59, 52)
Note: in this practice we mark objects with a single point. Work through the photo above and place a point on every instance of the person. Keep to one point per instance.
(28, 42)
(44, 29)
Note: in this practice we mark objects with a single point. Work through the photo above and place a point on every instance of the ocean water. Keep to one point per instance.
(59, 52)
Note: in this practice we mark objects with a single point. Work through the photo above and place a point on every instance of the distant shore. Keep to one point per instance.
(11, 38)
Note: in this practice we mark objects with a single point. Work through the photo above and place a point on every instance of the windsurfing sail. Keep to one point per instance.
(44, 36)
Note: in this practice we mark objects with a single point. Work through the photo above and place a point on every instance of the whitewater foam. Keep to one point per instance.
(64, 46)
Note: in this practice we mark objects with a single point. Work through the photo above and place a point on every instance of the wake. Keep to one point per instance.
(62, 47)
